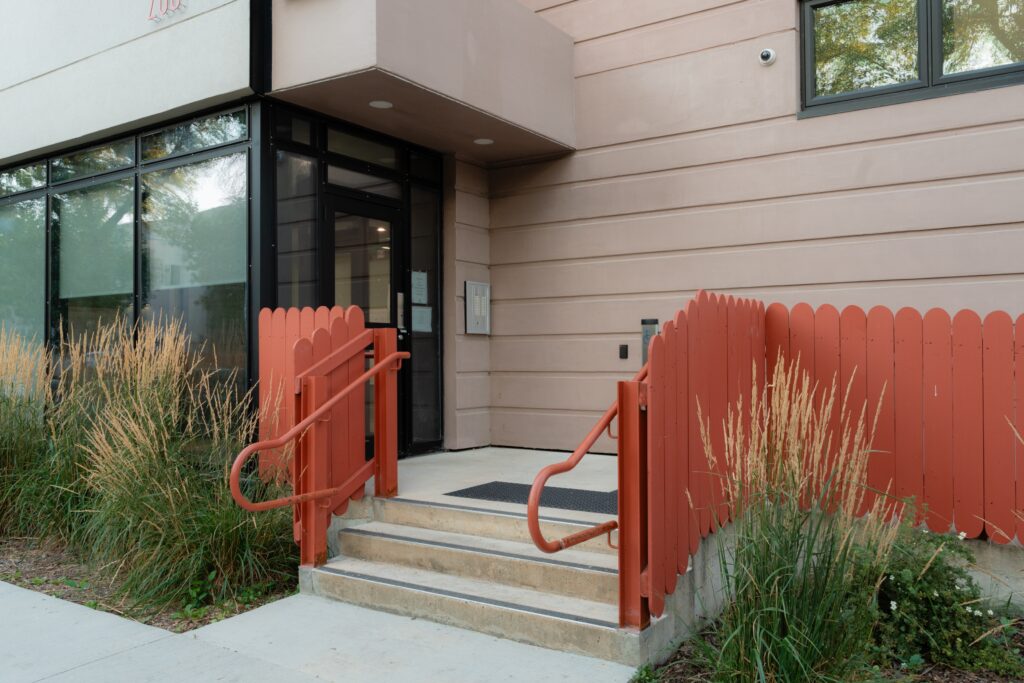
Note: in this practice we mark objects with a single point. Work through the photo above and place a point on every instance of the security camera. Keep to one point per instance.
(767, 57)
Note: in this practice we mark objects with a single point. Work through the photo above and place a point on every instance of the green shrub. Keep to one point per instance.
(932, 610)
(156, 461)
(125, 457)
(802, 576)
(25, 400)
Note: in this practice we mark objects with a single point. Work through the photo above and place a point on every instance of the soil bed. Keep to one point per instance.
(51, 569)
(686, 666)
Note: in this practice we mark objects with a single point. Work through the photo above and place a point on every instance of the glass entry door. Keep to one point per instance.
(362, 256)
(367, 260)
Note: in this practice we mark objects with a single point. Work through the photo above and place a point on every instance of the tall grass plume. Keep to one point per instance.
(803, 571)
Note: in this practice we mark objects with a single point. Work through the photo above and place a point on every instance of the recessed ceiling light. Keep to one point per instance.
(381, 104)
(483, 142)
(382, 229)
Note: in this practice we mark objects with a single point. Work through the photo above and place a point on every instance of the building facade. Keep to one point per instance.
(593, 161)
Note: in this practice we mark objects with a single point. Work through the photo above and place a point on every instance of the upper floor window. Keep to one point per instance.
(863, 53)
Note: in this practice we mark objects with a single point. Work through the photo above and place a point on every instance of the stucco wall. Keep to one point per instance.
(694, 171)
(77, 71)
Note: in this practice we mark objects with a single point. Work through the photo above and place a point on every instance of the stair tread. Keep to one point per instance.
(500, 595)
(580, 559)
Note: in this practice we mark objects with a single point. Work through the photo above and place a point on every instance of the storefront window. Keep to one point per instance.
(93, 244)
(361, 148)
(343, 177)
(211, 131)
(22, 179)
(23, 267)
(102, 159)
(194, 257)
(296, 230)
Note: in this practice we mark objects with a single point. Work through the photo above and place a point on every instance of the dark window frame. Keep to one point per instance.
(931, 82)
(252, 145)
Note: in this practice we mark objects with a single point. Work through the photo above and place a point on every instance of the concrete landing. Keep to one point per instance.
(301, 638)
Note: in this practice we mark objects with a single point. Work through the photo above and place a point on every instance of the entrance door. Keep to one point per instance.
(365, 261)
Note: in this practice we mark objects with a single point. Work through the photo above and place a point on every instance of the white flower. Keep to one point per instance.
(991, 613)
(935, 594)
(892, 605)
(924, 531)
(962, 535)
(892, 577)
(968, 609)
(977, 613)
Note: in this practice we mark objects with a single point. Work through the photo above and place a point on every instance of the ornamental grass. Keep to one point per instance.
(810, 541)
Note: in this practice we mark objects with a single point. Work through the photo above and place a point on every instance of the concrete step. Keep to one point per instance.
(477, 521)
(539, 618)
(574, 573)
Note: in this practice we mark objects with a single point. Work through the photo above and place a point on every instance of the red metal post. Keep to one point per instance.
(633, 604)
(313, 515)
(385, 415)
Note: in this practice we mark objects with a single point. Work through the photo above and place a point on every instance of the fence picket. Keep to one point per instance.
(853, 348)
(656, 475)
(909, 408)
(937, 373)
(694, 490)
(702, 406)
(683, 534)
(880, 391)
(997, 373)
(968, 427)
(1018, 373)
(776, 334)
(801, 337)
(670, 480)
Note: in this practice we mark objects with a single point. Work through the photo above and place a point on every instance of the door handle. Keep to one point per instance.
(400, 313)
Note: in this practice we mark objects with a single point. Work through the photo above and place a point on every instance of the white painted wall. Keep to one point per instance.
(76, 71)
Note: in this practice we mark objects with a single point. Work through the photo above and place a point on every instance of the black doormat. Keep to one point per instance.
(552, 496)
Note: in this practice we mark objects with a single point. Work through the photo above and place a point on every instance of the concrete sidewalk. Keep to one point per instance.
(301, 638)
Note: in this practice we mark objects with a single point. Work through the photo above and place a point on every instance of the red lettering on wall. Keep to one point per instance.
(159, 9)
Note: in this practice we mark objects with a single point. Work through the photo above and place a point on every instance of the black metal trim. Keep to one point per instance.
(261, 52)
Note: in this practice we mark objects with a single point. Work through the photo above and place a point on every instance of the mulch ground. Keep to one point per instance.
(51, 569)
(685, 666)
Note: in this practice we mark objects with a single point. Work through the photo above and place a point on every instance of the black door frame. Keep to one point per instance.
(335, 201)
(416, 167)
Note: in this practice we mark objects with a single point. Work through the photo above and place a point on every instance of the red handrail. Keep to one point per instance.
(395, 358)
(533, 504)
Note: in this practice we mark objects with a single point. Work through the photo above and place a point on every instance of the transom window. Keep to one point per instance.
(862, 53)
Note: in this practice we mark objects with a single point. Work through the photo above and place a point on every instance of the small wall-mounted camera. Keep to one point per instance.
(767, 57)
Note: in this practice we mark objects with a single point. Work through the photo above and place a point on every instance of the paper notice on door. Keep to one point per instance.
(420, 294)
(422, 318)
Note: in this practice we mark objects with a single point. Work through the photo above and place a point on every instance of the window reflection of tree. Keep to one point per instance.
(195, 135)
(194, 242)
(864, 44)
(93, 161)
(872, 43)
(981, 33)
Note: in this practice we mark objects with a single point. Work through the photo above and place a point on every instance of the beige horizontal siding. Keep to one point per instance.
(467, 357)
(694, 171)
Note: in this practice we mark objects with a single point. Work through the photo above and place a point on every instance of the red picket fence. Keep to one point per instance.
(949, 388)
(279, 329)
(946, 391)
(313, 378)
(704, 358)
